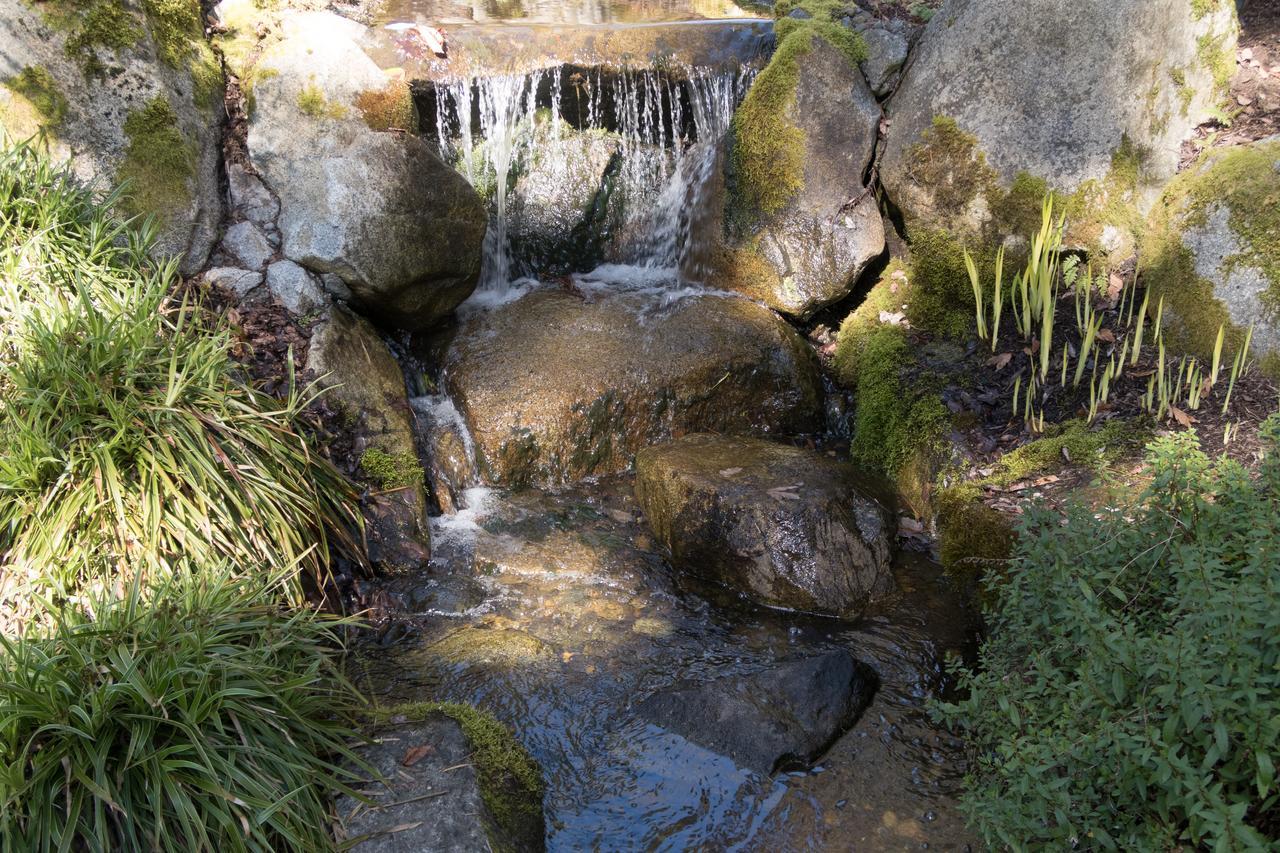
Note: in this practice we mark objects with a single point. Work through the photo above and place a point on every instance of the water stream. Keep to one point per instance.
(557, 611)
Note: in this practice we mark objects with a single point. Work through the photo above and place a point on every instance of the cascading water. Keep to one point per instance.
(667, 126)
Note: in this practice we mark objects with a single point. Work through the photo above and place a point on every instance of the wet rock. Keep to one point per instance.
(145, 112)
(234, 280)
(436, 790)
(450, 465)
(809, 253)
(781, 718)
(294, 288)
(249, 197)
(378, 209)
(786, 526)
(494, 647)
(1213, 249)
(1100, 91)
(366, 385)
(245, 242)
(558, 386)
(449, 594)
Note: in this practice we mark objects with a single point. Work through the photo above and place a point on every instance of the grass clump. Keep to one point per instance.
(510, 780)
(159, 162)
(192, 716)
(1128, 693)
(312, 102)
(392, 470)
(128, 445)
(37, 85)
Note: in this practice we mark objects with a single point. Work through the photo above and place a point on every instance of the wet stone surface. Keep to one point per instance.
(583, 620)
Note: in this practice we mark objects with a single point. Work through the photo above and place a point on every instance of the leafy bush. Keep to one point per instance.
(1128, 695)
(127, 440)
(193, 717)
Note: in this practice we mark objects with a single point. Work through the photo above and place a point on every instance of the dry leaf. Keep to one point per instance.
(1107, 335)
(416, 754)
(567, 656)
(999, 362)
(1115, 284)
(730, 472)
(1181, 416)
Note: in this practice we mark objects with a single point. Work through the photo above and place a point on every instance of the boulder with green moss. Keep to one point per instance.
(364, 383)
(799, 224)
(129, 92)
(1091, 99)
(1213, 252)
(375, 207)
(788, 527)
(558, 386)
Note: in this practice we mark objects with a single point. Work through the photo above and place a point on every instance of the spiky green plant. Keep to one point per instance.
(128, 442)
(192, 715)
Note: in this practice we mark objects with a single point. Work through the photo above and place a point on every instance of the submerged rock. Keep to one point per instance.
(123, 105)
(787, 526)
(402, 230)
(558, 386)
(366, 385)
(1092, 98)
(800, 248)
(781, 718)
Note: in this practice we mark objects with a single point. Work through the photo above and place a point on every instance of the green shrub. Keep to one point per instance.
(1128, 695)
(196, 717)
(126, 440)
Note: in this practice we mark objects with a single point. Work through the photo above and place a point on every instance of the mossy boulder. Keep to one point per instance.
(128, 92)
(365, 384)
(1213, 252)
(1089, 99)
(786, 526)
(556, 387)
(379, 210)
(798, 224)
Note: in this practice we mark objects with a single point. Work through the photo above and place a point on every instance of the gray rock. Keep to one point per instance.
(237, 281)
(380, 210)
(95, 93)
(781, 718)
(249, 197)
(1053, 91)
(294, 288)
(786, 526)
(364, 382)
(887, 49)
(555, 387)
(245, 242)
(810, 254)
(450, 454)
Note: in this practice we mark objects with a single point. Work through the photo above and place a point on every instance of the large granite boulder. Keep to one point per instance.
(800, 224)
(360, 199)
(365, 384)
(1212, 252)
(557, 386)
(127, 94)
(781, 718)
(1090, 98)
(788, 527)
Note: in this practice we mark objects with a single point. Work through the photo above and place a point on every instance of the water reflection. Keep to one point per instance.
(561, 11)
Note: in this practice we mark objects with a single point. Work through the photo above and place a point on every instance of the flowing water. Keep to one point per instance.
(556, 611)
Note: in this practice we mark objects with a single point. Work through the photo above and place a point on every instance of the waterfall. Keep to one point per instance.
(667, 123)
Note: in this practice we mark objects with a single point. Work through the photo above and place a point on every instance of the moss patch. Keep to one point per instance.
(889, 295)
(176, 26)
(510, 780)
(312, 102)
(388, 109)
(159, 161)
(37, 85)
(973, 538)
(1217, 54)
(92, 26)
(948, 163)
(392, 470)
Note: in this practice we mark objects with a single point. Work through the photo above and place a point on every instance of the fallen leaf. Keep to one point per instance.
(730, 472)
(892, 319)
(999, 362)
(1115, 284)
(567, 656)
(1181, 416)
(1107, 335)
(416, 754)
(787, 492)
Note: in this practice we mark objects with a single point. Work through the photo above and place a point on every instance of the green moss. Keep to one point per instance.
(1201, 8)
(1217, 54)
(887, 296)
(1073, 440)
(159, 161)
(1111, 201)
(176, 27)
(893, 422)
(973, 538)
(392, 470)
(1019, 210)
(37, 85)
(941, 295)
(391, 108)
(949, 164)
(510, 780)
(92, 26)
(312, 102)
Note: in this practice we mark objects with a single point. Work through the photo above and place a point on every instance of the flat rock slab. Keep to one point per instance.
(558, 386)
(788, 527)
(433, 804)
(781, 718)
